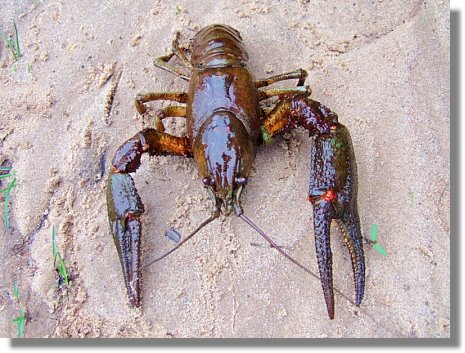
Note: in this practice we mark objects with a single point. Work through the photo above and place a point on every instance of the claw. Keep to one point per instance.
(124, 208)
(333, 193)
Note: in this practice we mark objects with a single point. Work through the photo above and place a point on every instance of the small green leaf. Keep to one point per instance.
(17, 52)
(61, 268)
(3, 176)
(178, 9)
(380, 249)
(54, 244)
(58, 260)
(16, 291)
(6, 202)
(374, 232)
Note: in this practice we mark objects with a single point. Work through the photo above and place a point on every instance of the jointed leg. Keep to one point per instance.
(282, 92)
(141, 98)
(162, 61)
(170, 111)
(151, 141)
(291, 112)
(181, 52)
(297, 74)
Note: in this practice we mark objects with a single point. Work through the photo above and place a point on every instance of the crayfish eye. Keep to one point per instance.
(241, 180)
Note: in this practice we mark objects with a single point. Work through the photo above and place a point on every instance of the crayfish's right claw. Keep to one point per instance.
(333, 193)
(124, 209)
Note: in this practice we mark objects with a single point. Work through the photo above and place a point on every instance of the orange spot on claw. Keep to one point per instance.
(131, 216)
(329, 195)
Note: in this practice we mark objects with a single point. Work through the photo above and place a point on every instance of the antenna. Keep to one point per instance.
(203, 224)
(290, 258)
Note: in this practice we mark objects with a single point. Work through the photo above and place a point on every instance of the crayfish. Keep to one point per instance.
(225, 123)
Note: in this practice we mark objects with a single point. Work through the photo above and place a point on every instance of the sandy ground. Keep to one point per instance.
(383, 66)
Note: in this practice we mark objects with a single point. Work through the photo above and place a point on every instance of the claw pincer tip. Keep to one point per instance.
(124, 209)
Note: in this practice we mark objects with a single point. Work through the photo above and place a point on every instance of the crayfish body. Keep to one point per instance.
(225, 123)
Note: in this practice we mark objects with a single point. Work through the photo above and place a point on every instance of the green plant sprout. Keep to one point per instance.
(17, 51)
(13, 43)
(7, 191)
(374, 241)
(20, 322)
(58, 261)
(16, 291)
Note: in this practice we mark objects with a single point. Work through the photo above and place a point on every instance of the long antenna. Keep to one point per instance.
(203, 224)
(273, 244)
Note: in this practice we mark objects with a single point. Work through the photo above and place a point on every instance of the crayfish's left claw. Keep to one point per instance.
(333, 193)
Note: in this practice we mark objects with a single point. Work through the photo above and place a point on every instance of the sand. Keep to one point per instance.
(383, 66)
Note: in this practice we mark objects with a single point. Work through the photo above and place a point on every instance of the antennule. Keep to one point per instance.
(203, 224)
